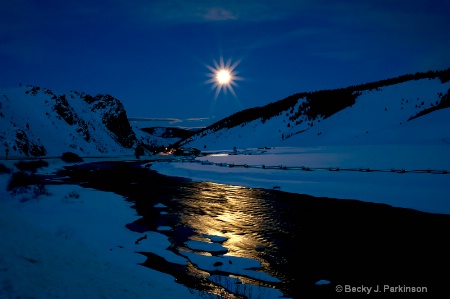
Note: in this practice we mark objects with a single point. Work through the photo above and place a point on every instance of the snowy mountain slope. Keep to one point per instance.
(381, 112)
(36, 122)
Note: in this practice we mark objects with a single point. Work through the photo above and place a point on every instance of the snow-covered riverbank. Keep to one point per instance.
(428, 192)
(73, 243)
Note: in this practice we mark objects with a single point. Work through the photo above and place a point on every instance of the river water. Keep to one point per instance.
(299, 240)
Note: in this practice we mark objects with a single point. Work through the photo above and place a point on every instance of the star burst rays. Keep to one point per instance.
(223, 76)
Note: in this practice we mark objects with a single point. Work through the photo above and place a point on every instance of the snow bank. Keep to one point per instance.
(74, 244)
(426, 192)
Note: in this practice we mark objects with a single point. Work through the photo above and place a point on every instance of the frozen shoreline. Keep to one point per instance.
(73, 243)
(421, 191)
(58, 243)
(62, 246)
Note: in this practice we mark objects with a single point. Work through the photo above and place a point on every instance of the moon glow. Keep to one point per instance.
(223, 76)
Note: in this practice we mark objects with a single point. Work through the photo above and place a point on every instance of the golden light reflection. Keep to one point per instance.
(234, 212)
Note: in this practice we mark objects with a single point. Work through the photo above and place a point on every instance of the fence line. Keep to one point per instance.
(303, 168)
(263, 166)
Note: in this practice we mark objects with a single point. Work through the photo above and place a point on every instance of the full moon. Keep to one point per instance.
(223, 76)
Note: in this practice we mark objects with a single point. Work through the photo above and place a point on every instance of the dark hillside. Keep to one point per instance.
(322, 103)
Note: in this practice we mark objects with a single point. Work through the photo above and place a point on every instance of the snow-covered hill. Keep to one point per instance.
(36, 122)
(413, 109)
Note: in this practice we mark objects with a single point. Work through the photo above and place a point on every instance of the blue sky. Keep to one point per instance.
(153, 55)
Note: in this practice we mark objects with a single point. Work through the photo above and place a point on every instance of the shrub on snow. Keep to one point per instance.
(4, 169)
(71, 157)
(31, 165)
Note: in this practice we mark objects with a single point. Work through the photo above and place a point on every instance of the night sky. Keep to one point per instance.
(153, 55)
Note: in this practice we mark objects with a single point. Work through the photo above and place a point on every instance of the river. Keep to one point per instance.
(298, 239)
